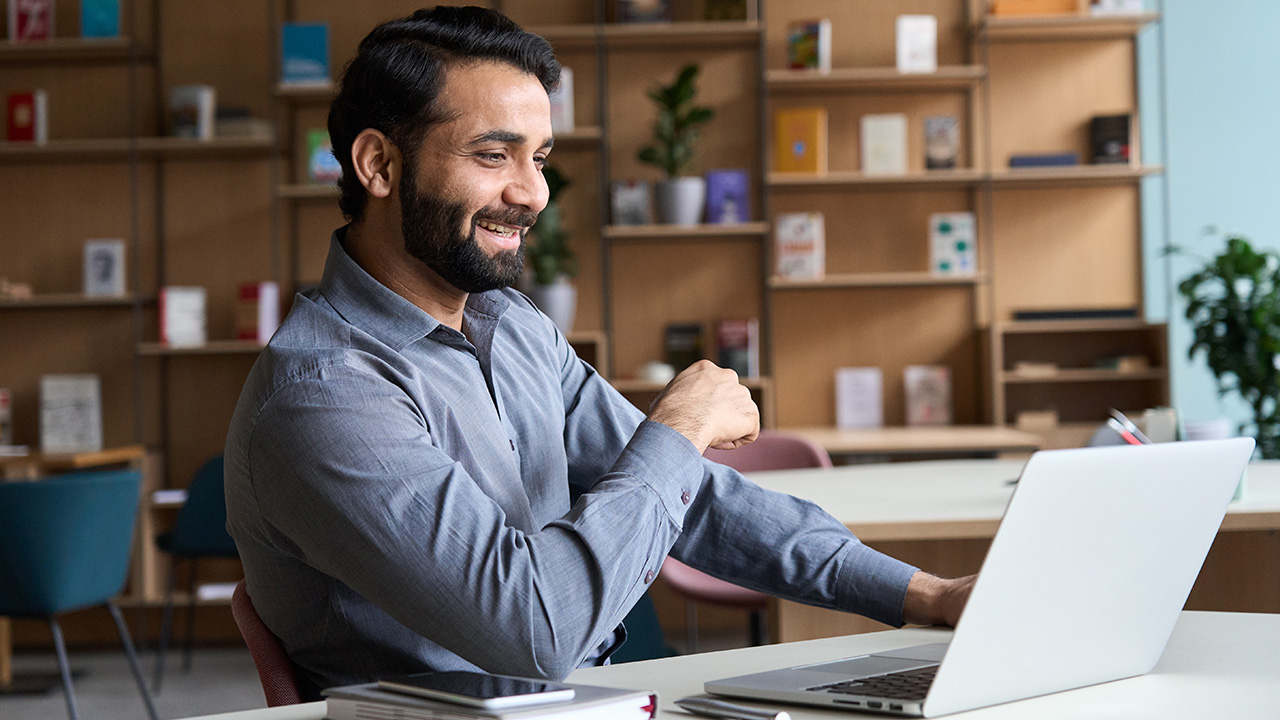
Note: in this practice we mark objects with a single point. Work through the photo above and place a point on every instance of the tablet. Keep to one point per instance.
(492, 692)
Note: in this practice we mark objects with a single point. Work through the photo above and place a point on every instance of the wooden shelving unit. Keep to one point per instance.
(69, 50)
(955, 77)
(669, 232)
(213, 347)
(143, 148)
(1063, 27)
(1074, 176)
(55, 301)
(878, 280)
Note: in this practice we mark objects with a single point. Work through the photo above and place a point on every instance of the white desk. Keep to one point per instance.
(1217, 665)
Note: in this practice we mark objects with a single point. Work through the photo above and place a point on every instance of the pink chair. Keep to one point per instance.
(275, 669)
(773, 450)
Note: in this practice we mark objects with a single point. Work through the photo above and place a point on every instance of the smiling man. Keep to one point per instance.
(400, 463)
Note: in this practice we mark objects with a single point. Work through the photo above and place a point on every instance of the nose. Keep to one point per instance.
(527, 187)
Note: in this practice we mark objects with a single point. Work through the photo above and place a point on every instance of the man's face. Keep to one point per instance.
(469, 197)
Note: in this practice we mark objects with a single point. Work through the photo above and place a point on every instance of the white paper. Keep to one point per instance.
(182, 319)
(917, 44)
(859, 398)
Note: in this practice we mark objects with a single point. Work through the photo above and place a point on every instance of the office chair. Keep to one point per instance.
(64, 546)
(772, 450)
(199, 531)
(275, 670)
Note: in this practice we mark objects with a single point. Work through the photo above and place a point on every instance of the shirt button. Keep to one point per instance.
(685, 497)
(648, 577)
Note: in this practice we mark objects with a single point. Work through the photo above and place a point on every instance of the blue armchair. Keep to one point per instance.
(64, 546)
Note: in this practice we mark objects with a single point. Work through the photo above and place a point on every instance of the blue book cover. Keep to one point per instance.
(304, 53)
(1045, 160)
(99, 18)
(727, 196)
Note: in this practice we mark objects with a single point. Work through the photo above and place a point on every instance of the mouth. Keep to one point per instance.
(506, 237)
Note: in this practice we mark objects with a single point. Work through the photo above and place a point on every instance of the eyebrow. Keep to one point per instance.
(508, 137)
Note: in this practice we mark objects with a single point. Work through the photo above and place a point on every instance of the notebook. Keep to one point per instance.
(1084, 580)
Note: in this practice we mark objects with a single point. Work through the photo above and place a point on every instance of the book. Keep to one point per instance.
(953, 243)
(884, 144)
(727, 196)
(1068, 314)
(30, 20)
(304, 53)
(562, 103)
(800, 140)
(70, 413)
(809, 45)
(917, 43)
(28, 117)
(636, 11)
(1109, 139)
(738, 346)
(590, 702)
(6, 417)
(258, 311)
(182, 316)
(800, 245)
(104, 268)
(928, 394)
(941, 142)
(192, 111)
(1064, 159)
(99, 18)
(1116, 7)
(859, 398)
(629, 200)
(322, 166)
(1034, 7)
(682, 344)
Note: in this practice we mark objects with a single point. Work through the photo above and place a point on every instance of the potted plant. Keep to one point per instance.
(1233, 305)
(551, 259)
(679, 199)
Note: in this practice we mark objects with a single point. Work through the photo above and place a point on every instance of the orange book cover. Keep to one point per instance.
(800, 140)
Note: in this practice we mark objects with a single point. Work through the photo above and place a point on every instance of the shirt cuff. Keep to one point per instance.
(874, 584)
(667, 462)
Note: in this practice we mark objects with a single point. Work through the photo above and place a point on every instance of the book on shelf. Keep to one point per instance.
(682, 344)
(941, 142)
(304, 54)
(182, 316)
(727, 196)
(1034, 7)
(917, 44)
(859, 398)
(6, 417)
(28, 117)
(31, 20)
(104, 268)
(1035, 160)
(1116, 7)
(884, 144)
(1109, 139)
(800, 245)
(800, 140)
(367, 701)
(1069, 314)
(258, 311)
(322, 166)
(640, 11)
(70, 413)
(193, 111)
(928, 394)
(99, 18)
(809, 45)
(629, 201)
(953, 246)
(738, 346)
(561, 97)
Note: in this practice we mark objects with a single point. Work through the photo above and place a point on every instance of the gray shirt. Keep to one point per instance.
(400, 495)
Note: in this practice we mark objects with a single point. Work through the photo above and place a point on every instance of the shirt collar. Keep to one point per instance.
(380, 311)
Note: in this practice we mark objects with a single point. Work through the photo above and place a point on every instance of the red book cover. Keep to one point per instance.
(22, 117)
(30, 20)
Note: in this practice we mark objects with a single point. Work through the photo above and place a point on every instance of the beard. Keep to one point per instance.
(432, 227)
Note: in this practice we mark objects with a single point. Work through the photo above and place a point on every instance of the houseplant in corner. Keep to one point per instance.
(551, 259)
(679, 199)
(1233, 306)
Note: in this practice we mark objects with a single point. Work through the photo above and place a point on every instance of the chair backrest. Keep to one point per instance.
(65, 541)
(773, 450)
(200, 529)
(275, 669)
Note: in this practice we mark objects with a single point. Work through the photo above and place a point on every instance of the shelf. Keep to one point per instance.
(920, 440)
(120, 149)
(1057, 326)
(580, 136)
(953, 77)
(877, 280)
(655, 34)
(68, 50)
(669, 232)
(1078, 375)
(569, 36)
(1073, 176)
(306, 92)
(51, 301)
(307, 192)
(216, 347)
(962, 178)
(1064, 27)
(633, 386)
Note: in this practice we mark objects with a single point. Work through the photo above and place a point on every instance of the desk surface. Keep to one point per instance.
(1217, 665)
(921, 440)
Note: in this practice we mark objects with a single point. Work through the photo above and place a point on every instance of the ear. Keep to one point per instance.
(377, 162)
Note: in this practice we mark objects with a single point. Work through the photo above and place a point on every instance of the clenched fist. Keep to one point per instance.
(708, 405)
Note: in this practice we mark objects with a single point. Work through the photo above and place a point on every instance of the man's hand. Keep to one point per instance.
(933, 601)
(709, 406)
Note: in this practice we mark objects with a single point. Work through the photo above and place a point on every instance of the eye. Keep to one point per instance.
(494, 157)
(540, 160)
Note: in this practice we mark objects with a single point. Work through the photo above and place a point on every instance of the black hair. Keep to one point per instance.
(393, 84)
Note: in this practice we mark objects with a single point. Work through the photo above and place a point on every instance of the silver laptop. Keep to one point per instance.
(1093, 561)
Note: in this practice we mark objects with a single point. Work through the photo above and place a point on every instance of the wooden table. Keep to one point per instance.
(975, 440)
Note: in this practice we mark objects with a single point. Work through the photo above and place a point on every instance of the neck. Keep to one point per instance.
(378, 248)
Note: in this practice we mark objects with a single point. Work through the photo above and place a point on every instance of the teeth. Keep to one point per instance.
(499, 229)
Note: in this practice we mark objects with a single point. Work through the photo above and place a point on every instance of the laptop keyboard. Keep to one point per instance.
(903, 685)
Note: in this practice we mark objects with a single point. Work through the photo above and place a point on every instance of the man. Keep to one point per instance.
(400, 461)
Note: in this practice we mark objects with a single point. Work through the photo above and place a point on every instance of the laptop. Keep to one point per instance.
(1086, 576)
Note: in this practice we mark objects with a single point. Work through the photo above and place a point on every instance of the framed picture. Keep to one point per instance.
(104, 267)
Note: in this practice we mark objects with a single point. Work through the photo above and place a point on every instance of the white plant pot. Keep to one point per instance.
(559, 301)
(680, 201)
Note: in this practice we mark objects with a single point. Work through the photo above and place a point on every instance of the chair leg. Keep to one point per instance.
(691, 626)
(166, 625)
(191, 617)
(758, 634)
(127, 640)
(64, 667)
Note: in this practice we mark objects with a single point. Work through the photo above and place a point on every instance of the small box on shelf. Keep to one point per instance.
(193, 111)
(28, 117)
(258, 311)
